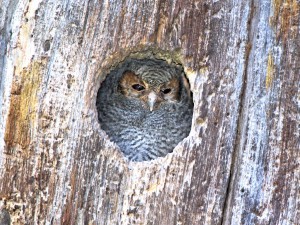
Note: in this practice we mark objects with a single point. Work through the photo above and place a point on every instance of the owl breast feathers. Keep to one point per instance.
(145, 107)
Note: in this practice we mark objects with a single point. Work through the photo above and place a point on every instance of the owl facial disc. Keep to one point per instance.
(151, 94)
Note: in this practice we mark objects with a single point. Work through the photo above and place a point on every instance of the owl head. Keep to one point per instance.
(154, 83)
(150, 91)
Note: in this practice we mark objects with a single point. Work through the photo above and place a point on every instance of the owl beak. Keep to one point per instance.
(152, 97)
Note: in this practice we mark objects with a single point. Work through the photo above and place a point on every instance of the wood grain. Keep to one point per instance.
(240, 163)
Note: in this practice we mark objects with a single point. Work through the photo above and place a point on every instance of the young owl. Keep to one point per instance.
(145, 107)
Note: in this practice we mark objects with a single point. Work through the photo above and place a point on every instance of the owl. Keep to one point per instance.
(145, 107)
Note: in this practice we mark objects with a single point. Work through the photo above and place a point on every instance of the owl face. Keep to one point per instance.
(151, 95)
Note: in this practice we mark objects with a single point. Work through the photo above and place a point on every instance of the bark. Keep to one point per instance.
(240, 163)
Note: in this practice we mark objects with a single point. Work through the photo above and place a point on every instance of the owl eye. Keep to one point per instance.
(138, 87)
(166, 91)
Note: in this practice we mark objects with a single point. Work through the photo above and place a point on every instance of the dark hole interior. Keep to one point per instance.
(145, 106)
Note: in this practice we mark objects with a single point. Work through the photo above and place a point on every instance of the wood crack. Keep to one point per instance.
(240, 122)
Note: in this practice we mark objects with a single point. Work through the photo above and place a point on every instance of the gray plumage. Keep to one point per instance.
(144, 133)
(4, 217)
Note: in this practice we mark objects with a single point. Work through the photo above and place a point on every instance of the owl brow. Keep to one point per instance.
(156, 78)
(156, 72)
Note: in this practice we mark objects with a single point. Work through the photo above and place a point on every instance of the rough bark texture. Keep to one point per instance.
(240, 163)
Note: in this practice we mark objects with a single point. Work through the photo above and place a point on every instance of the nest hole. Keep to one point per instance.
(145, 106)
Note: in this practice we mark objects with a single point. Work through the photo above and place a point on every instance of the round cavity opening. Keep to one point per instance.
(145, 106)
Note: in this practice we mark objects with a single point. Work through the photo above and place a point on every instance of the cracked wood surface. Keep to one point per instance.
(240, 163)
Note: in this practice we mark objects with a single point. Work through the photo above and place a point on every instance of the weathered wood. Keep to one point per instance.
(265, 186)
(240, 163)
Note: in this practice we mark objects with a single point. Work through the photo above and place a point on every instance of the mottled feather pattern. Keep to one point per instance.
(140, 133)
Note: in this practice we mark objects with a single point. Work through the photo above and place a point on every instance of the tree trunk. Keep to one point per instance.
(240, 163)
